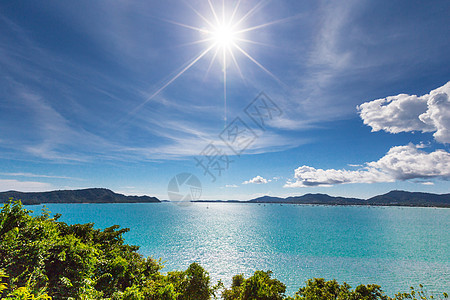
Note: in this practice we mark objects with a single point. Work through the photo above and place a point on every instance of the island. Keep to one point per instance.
(91, 195)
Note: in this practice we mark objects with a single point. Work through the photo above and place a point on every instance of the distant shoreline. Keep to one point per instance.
(316, 204)
(105, 196)
(393, 198)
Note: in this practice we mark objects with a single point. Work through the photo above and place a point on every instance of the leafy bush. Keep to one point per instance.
(80, 262)
(420, 294)
(260, 286)
(319, 289)
(21, 293)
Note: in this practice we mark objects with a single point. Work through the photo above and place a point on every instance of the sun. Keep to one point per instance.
(224, 36)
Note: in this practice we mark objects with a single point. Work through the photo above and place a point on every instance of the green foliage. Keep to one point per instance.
(12, 216)
(21, 293)
(197, 284)
(42, 258)
(320, 289)
(81, 262)
(260, 286)
(24, 293)
(3, 285)
(419, 294)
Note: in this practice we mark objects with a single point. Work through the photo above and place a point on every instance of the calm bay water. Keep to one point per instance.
(394, 247)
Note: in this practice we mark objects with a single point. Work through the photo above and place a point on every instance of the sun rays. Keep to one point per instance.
(223, 35)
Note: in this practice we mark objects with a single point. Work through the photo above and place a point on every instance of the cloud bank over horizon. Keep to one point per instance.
(400, 163)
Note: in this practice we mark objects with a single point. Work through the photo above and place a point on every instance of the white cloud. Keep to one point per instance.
(256, 180)
(404, 113)
(306, 176)
(231, 186)
(427, 183)
(328, 51)
(57, 139)
(422, 145)
(24, 186)
(438, 113)
(354, 165)
(395, 114)
(407, 162)
(400, 163)
(36, 175)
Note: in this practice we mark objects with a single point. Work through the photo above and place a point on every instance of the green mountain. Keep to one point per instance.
(411, 199)
(393, 198)
(93, 195)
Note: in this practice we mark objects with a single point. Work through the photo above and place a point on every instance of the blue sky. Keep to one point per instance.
(360, 87)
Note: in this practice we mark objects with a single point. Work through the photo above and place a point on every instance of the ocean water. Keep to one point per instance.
(395, 247)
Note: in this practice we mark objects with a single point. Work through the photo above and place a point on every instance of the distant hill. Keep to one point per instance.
(268, 199)
(93, 195)
(311, 199)
(393, 198)
(411, 199)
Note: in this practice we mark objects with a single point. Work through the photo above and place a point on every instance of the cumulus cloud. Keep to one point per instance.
(405, 113)
(438, 113)
(306, 176)
(400, 163)
(257, 180)
(408, 162)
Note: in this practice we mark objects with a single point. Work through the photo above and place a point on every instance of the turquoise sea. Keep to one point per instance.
(395, 247)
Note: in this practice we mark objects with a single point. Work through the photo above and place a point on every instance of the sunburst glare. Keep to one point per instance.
(223, 36)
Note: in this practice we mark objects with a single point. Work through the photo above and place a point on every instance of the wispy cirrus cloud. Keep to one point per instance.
(79, 131)
(47, 134)
(24, 186)
(32, 175)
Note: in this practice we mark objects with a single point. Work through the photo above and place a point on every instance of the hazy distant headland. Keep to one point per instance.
(92, 195)
(100, 195)
(393, 198)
